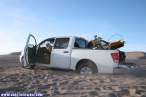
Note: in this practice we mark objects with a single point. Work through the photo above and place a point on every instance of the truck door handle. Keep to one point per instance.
(66, 52)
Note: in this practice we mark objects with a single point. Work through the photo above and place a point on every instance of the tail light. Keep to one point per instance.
(115, 57)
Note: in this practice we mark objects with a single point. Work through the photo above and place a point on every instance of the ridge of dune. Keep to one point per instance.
(135, 55)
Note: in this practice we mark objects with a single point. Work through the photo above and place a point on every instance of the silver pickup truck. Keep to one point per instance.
(68, 53)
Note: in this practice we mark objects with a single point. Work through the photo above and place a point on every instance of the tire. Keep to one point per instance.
(26, 67)
(87, 67)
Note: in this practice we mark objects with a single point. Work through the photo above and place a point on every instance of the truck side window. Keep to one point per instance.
(50, 41)
(61, 43)
(80, 43)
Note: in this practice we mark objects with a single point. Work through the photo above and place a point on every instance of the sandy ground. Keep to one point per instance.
(62, 83)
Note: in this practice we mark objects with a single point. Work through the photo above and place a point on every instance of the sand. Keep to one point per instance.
(63, 83)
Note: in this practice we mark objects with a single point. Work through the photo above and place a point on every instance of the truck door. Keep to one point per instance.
(44, 50)
(60, 56)
(29, 51)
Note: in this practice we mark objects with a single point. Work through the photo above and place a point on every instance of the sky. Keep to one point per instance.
(109, 19)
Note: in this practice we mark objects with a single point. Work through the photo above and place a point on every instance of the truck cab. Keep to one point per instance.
(48, 50)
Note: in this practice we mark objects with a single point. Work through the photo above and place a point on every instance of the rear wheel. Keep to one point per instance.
(87, 67)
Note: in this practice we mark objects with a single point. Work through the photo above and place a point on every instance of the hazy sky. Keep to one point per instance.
(47, 18)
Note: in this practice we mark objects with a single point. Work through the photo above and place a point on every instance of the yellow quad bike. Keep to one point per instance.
(115, 44)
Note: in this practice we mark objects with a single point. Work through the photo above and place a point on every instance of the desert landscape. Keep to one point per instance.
(63, 83)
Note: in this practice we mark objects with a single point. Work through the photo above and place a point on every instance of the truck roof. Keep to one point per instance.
(68, 37)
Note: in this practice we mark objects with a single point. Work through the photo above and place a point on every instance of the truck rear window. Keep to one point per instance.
(80, 43)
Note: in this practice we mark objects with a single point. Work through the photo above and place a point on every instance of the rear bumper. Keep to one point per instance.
(124, 66)
(127, 65)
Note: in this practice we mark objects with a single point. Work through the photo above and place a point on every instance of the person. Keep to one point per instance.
(96, 43)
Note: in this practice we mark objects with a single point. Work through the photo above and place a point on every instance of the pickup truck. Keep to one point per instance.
(68, 53)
